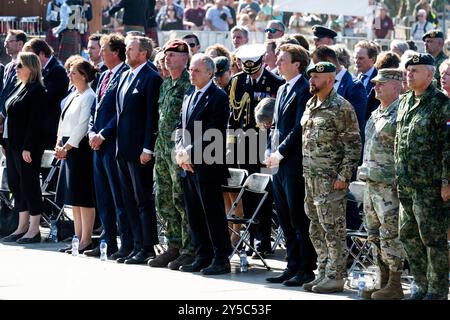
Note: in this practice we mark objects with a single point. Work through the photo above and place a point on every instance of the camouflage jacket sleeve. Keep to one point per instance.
(348, 129)
(446, 140)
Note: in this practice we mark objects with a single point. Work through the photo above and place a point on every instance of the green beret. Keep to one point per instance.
(433, 34)
(321, 67)
(420, 58)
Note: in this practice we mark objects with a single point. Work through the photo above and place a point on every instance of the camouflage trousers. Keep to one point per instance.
(423, 222)
(170, 203)
(381, 222)
(325, 207)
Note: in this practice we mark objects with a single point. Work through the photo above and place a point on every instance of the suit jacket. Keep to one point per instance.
(370, 84)
(352, 90)
(104, 118)
(26, 117)
(9, 82)
(213, 111)
(135, 11)
(2, 70)
(286, 126)
(137, 118)
(56, 82)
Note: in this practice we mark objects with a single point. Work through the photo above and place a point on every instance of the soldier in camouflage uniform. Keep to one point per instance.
(380, 198)
(169, 193)
(434, 45)
(422, 156)
(331, 151)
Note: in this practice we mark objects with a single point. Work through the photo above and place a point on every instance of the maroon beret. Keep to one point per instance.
(177, 46)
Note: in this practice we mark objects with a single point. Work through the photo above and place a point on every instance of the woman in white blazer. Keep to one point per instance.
(75, 181)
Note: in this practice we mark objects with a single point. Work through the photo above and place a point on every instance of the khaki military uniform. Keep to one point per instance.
(331, 150)
(380, 198)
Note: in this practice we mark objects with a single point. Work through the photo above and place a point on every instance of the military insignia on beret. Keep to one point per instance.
(415, 59)
(433, 34)
(180, 48)
(319, 68)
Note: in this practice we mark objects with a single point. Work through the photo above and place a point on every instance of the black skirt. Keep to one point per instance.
(76, 180)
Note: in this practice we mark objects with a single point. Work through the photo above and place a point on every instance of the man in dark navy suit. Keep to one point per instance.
(56, 82)
(102, 139)
(285, 157)
(137, 126)
(14, 42)
(206, 109)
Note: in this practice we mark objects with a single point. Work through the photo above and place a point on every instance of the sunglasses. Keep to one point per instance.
(271, 30)
(19, 66)
(192, 44)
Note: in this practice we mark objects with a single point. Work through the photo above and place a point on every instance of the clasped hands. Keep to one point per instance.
(182, 159)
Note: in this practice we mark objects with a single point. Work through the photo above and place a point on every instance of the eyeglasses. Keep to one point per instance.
(19, 66)
(192, 44)
(271, 30)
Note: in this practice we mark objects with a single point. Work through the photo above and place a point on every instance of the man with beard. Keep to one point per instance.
(331, 150)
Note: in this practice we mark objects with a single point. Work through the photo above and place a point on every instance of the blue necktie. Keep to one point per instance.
(193, 103)
(284, 94)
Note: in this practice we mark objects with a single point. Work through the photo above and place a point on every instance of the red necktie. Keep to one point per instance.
(105, 84)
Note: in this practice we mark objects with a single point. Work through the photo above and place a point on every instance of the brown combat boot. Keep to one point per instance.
(393, 290)
(308, 286)
(384, 278)
(163, 259)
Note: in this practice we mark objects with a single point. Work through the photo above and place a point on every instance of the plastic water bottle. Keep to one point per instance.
(103, 251)
(414, 288)
(243, 261)
(53, 236)
(75, 245)
(361, 285)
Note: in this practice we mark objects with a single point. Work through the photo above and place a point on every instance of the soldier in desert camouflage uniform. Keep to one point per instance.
(169, 193)
(422, 163)
(380, 198)
(331, 150)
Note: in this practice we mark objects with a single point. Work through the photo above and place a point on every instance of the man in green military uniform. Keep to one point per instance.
(169, 193)
(434, 45)
(331, 150)
(422, 156)
(380, 198)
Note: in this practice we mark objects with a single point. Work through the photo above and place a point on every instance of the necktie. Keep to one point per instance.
(284, 94)
(362, 78)
(105, 83)
(124, 89)
(11, 70)
(193, 103)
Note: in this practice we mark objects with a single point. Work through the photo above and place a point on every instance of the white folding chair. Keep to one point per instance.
(255, 183)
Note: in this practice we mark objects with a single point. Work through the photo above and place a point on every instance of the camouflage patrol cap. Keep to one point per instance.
(420, 58)
(177, 46)
(321, 67)
(433, 34)
(323, 32)
(387, 75)
(222, 65)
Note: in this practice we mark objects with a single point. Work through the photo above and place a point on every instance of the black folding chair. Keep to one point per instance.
(255, 183)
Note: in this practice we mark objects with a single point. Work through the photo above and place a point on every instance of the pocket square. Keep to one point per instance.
(135, 91)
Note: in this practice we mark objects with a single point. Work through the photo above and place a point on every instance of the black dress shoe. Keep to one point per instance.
(216, 269)
(93, 253)
(13, 237)
(286, 275)
(35, 239)
(120, 254)
(88, 247)
(141, 257)
(196, 266)
(299, 279)
(129, 256)
(64, 250)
